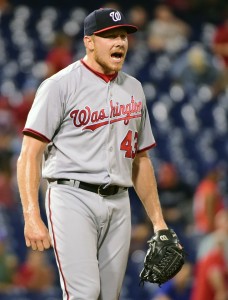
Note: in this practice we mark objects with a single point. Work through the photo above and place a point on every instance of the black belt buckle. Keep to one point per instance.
(108, 191)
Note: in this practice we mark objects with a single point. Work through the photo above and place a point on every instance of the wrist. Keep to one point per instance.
(31, 211)
(160, 226)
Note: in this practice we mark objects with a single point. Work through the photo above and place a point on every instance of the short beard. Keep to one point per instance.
(106, 68)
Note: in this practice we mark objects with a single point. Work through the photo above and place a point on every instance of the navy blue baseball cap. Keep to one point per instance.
(105, 19)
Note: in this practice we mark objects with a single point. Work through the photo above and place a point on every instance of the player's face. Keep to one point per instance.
(110, 48)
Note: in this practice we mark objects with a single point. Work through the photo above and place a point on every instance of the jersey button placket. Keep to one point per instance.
(111, 132)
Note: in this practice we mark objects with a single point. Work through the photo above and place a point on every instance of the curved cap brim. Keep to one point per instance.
(127, 27)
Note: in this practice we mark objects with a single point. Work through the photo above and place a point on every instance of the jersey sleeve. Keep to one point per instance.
(146, 138)
(46, 112)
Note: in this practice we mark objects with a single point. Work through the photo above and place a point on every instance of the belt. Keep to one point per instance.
(94, 188)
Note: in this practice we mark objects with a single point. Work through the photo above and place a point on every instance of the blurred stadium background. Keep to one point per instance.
(188, 111)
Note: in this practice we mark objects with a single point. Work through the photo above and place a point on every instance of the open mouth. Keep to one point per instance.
(117, 55)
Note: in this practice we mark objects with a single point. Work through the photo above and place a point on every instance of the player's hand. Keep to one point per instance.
(164, 257)
(36, 234)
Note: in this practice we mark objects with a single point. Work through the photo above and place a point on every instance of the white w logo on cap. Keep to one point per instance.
(115, 15)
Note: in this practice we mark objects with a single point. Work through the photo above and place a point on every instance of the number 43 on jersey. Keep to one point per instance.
(130, 144)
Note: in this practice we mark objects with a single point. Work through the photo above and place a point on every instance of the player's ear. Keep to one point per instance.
(88, 42)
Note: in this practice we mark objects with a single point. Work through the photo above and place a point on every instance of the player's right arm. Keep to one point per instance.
(28, 178)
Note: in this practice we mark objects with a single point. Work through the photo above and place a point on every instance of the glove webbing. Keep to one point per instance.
(169, 265)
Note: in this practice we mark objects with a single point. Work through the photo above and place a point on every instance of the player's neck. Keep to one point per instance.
(105, 77)
(93, 65)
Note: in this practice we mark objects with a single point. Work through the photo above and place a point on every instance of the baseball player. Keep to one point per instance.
(88, 132)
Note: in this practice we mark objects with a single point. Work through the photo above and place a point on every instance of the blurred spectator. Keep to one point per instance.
(209, 241)
(35, 274)
(5, 7)
(138, 51)
(166, 32)
(211, 272)
(178, 288)
(7, 125)
(22, 109)
(180, 6)
(141, 233)
(60, 55)
(196, 68)
(112, 4)
(208, 10)
(223, 185)
(176, 201)
(208, 200)
(8, 264)
(220, 44)
(7, 134)
(175, 196)
(6, 14)
(220, 47)
(6, 185)
(138, 15)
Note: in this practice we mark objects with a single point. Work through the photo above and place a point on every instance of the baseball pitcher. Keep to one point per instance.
(87, 134)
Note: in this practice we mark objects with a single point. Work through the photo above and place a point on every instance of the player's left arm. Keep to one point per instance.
(145, 185)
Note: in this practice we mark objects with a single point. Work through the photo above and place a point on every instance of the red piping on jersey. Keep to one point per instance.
(147, 148)
(36, 134)
(105, 77)
(54, 246)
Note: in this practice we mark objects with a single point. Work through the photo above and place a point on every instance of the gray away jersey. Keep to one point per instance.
(93, 128)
